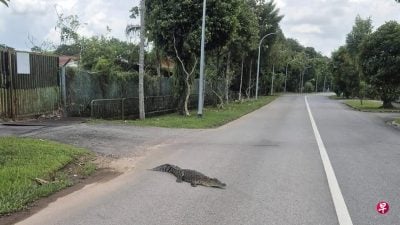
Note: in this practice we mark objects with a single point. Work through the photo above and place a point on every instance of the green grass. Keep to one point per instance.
(367, 104)
(335, 97)
(23, 159)
(212, 117)
(397, 121)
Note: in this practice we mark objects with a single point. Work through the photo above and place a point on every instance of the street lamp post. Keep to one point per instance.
(258, 65)
(201, 78)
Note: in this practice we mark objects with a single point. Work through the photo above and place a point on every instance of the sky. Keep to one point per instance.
(322, 24)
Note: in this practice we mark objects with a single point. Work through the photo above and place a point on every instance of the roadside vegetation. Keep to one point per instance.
(397, 121)
(232, 53)
(213, 116)
(369, 105)
(367, 65)
(31, 169)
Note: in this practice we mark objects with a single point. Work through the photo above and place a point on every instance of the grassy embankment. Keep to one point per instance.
(31, 169)
(368, 106)
(212, 117)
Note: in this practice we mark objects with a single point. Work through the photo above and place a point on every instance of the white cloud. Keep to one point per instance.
(53, 36)
(2, 26)
(29, 7)
(324, 24)
(306, 29)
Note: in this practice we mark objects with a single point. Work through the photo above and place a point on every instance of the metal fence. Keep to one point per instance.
(123, 108)
(28, 84)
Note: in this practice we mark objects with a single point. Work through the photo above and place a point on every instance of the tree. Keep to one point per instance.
(243, 42)
(5, 2)
(175, 27)
(361, 30)
(268, 22)
(68, 26)
(380, 61)
(345, 73)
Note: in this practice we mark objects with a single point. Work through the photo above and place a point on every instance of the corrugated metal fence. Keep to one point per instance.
(28, 84)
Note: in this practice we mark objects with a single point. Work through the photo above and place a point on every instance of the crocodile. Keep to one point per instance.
(191, 176)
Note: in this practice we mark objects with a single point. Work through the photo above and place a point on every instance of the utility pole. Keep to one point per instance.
(142, 115)
(202, 56)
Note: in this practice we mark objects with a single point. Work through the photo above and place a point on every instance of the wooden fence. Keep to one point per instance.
(29, 84)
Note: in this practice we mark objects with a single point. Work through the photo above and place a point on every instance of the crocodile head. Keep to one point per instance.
(214, 182)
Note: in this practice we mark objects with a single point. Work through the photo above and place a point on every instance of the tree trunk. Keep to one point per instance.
(272, 82)
(158, 62)
(241, 80)
(251, 68)
(387, 104)
(287, 65)
(387, 99)
(141, 60)
(187, 78)
(227, 77)
(188, 89)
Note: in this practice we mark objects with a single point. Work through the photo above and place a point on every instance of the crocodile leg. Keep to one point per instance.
(193, 184)
(179, 176)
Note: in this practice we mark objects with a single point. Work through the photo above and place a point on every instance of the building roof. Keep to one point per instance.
(64, 60)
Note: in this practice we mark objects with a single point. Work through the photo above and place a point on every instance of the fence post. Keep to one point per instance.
(12, 92)
(63, 91)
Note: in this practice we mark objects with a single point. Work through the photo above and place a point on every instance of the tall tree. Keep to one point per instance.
(380, 60)
(243, 42)
(175, 26)
(345, 73)
(361, 30)
(268, 22)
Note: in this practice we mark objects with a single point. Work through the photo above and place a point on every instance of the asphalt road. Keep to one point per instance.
(271, 163)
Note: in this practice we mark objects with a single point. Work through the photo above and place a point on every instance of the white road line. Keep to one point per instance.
(340, 206)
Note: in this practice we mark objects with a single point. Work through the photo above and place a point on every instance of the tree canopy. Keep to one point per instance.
(380, 61)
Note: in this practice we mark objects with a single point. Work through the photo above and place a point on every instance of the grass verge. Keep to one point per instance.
(213, 117)
(335, 97)
(397, 121)
(368, 106)
(31, 169)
